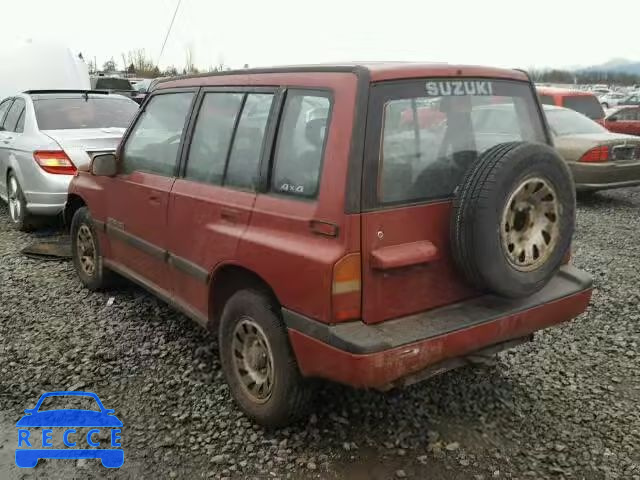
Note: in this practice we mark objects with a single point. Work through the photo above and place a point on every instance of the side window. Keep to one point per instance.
(212, 137)
(4, 106)
(13, 116)
(20, 124)
(153, 144)
(300, 144)
(244, 160)
(625, 115)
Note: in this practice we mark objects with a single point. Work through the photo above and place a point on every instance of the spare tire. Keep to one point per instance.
(513, 218)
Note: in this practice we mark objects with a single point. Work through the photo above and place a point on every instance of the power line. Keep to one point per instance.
(168, 31)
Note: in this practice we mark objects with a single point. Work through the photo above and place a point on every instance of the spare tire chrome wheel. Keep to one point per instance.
(530, 224)
(513, 218)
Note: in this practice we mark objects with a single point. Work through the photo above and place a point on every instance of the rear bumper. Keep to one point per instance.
(606, 175)
(385, 355)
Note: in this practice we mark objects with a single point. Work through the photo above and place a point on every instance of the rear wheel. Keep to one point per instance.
(258, 363)
(20, 217)
(86, 254)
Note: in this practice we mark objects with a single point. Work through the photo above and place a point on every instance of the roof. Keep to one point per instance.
(374, 71)
(563, 91)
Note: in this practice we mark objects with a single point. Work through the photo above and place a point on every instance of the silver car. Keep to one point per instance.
(45, 136)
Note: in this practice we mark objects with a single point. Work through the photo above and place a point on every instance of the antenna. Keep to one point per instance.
(168, 31)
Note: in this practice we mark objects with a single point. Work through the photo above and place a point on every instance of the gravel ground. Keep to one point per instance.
(564, 406)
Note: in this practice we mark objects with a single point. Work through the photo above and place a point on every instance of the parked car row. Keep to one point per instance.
(371, 224)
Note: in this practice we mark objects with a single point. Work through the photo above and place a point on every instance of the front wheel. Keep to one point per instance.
(258, 363)
(86, 254)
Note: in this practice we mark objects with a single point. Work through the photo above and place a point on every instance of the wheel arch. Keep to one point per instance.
(230, 278)
(72, 205)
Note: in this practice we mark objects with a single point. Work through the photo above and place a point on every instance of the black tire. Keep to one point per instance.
(605, 105)
(290, 394)
(480, 206)
(20, 217)
(100, 277)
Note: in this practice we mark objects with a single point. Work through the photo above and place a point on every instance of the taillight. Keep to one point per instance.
(55, 161)
(346, 288)
(596, 155)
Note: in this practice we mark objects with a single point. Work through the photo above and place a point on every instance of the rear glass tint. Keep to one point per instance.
(433, 130)
(113, 84)
(70, 113)
(585, 104)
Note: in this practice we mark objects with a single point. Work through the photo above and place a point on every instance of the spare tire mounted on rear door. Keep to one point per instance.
(513, 218)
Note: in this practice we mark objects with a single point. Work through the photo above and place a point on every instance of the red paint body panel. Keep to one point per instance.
(629, 127)
(378, 370)
(280, 244)
(139, 201)
(397, 293)
(205, 225)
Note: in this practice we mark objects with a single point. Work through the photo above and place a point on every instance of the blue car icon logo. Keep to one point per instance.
(36, 433)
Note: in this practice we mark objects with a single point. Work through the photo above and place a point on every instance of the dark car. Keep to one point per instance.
(118, 85)
(325, 229)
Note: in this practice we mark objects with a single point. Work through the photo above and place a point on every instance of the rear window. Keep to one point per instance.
(568, 122)
(585, 104)
(109, 83)
(433, 130)
(70, 113)
(547, 100)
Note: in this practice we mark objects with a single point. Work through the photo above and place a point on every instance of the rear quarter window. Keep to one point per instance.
(585, 104)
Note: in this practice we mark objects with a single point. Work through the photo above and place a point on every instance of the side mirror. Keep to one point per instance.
(104, 165)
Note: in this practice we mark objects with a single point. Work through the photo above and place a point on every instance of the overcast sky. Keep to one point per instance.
(509, 33)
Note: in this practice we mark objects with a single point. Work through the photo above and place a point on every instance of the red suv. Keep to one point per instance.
(324, 228)
(581, 101)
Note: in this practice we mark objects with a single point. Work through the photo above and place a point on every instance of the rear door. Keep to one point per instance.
(138, 198)
(411, 172)
(210, 206)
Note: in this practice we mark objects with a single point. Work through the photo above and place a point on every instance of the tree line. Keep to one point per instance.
(137, 63)
(583, 77)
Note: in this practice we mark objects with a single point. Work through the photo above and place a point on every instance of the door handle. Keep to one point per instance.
(404, 255)
(229, 214)
(155, 199)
